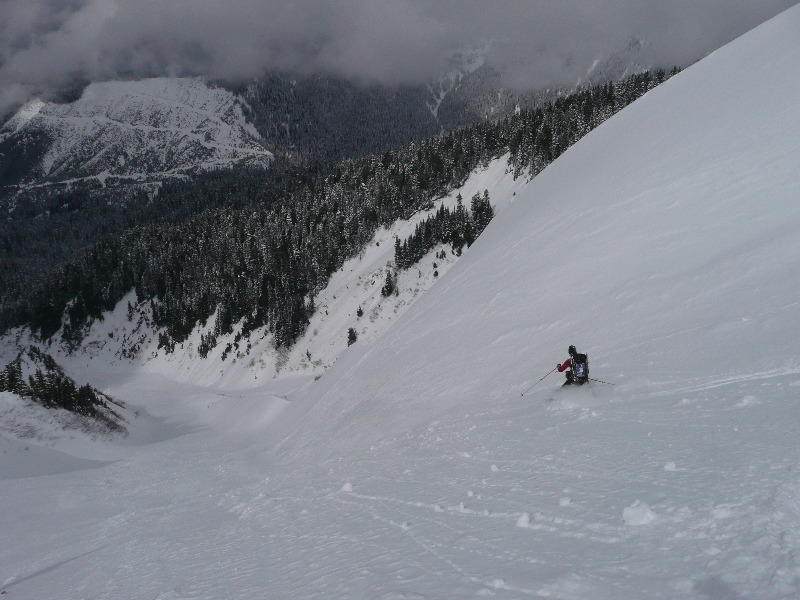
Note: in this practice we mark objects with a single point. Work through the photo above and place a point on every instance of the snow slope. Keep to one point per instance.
(664, 244)
(673, 223)
(137, 130)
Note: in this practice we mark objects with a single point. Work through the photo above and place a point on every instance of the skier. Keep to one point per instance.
(576, 367)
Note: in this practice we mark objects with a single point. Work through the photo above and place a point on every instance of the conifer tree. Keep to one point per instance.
(388, 285)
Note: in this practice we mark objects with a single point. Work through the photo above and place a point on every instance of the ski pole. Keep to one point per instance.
(537, 383)
(599, 381)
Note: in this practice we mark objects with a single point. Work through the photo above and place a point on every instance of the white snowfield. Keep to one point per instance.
(664, 244)
(139, 130)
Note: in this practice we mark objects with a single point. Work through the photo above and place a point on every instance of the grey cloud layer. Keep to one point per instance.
(44, 43)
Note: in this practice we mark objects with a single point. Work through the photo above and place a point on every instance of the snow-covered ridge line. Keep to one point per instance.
(124, 128)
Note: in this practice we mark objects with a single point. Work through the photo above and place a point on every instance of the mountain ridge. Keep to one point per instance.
(137, 130)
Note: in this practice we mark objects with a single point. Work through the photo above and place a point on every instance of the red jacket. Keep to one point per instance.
(567, 364)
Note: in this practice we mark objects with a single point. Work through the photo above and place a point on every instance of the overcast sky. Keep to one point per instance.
(537, 43)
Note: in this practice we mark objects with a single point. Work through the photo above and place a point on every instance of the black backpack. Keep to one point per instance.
(580, 366)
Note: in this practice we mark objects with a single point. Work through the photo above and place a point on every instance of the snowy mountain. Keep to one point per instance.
(464, 63)
(134, 132)
(618, 64)
(474, 89)
(663, 244)
(131, 131)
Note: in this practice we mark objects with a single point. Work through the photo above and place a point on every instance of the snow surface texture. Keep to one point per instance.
(27, 429)
(664, 244)
(139, 130)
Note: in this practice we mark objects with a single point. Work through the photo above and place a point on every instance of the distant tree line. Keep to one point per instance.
(264, 263)
(47, 229)
(457, 227)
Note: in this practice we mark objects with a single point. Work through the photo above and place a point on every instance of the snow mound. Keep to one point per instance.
(638, 513)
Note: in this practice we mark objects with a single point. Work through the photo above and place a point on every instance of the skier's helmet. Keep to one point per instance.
(572, 350)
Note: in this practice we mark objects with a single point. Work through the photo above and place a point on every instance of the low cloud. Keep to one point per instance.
(46, 44)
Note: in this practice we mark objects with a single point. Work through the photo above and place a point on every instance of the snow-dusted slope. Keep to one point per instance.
(137, 130)
(664, 244)
(127, 338)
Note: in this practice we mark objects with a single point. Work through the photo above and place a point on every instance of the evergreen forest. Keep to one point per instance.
(260, 261)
